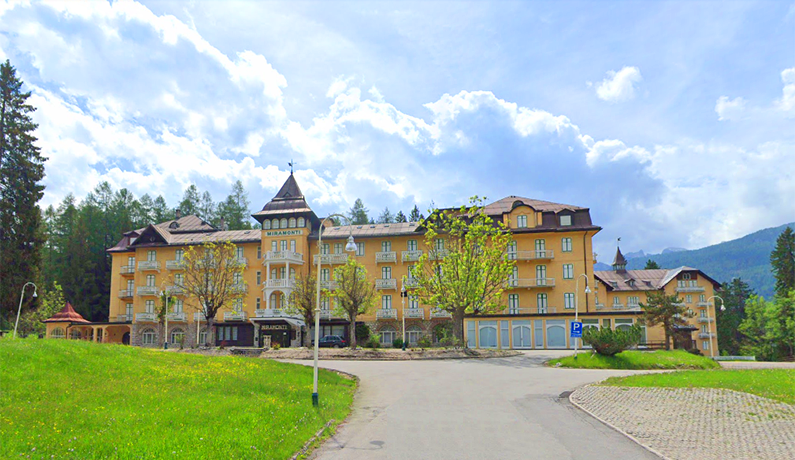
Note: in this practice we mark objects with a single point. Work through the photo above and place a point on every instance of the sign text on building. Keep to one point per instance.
(282, 232)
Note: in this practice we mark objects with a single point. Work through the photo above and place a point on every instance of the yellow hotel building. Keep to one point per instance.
(554, 261)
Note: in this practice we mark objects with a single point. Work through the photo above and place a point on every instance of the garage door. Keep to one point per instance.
(522, 337)
(556, 334)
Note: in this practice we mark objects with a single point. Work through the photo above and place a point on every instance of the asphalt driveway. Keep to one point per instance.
(501, 408)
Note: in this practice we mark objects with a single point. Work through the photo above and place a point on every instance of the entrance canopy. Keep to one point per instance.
(295, 322)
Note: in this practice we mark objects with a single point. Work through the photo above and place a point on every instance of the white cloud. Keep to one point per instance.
(619, 86)
(787, 101)
(729, 109)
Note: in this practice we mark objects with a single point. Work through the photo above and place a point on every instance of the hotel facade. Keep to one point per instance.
(552, 247)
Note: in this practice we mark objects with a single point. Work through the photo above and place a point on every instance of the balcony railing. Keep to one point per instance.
(703, 304)
(386, 313)
(175, 290)
(546, 310)
(439, 313)
(179, 316)
(539, 254)
(411, 256)
(331, 259)
(600, 306)
(283, 256)
(283, 283)
(411, 283)
(519, 311)
(530, 283)
(124, 293)
(438, 254)
(146, 265)
(690, 289)
(325, 314)
(328, 284)
(151, 317)
(146, 290)
(415, 313)
(234, 316)
(385, 257)
(124, 318)
(175, 264)
(705, 335)
(705, 319)
(386, 283)
(618, 306)
(633, 306)
(270, 313)
(242, 261)
(238, 287)
(127, 269)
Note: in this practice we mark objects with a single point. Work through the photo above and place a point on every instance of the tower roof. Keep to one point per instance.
(289, 200)
(67, 314)
(619, 259)
(290, 190)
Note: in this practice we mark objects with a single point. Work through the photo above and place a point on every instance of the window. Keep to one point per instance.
(702, 298)
(150, 306)
(565, 221)
(148, 337)
(325, 274)
(291, 222)
(179, 280)
(623, 324)
(337, 248)
(130, 286)
(57, 333)
(151, 256)
(411, 245)
(360, 249)
(275, 224)
(705, 344)
(439, 244)
(131, 261)
(301, 222)
(387, 335)
(688, 298)
(541, 247)
(633, 301)
(616, 300)
(386, 273)
(703, 313)
(512, 250)
(259, 251)
(413, 334)
(471, 335)
(283, 222)
(177, 336)
(274, 246)
(237, 306)
(283, 245)
(282, 272)
(259, 278)
(386, 246)
(513, 280)
(150, 280)
(129, 310)
(325, 248)
(386, 302)
(521, 221)
(513, 304)
(568, 300)
(178, 305)
(565, 244)
(179, 255)
(259, 303)
(568, 271)
(685, 276)
(541, 275)
(292, 245)
(266, 224)
(237, 278)
(324, 305)
(541, 302)
(414, 302)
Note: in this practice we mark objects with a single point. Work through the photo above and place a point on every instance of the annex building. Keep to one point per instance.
(554, 262)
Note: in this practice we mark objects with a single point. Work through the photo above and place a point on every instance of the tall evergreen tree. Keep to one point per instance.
(235, 209)
(358, 213)
(734, 295)
(386, 217)
(142, 214)
(651, 265)
(415, 215)
(190, 201)
(782, 262)
(21, 172)
(160, 210)
(207, 208)
(400, 217)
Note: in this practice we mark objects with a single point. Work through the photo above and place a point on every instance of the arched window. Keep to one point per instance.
(291, 223)
(283, 222)
(57, 333)
(387, 335)
(266, 224)
(275, 224)
(148, 336)
(177, 336)
(413, 334)
(301, 222)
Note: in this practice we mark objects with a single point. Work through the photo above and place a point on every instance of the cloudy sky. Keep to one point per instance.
(673, 121)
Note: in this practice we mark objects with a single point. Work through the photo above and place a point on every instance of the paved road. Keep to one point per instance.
(472, 409)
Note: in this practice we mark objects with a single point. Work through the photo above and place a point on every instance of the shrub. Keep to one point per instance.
(374, 341)
(397, 343)
(276, 345)
(609, 342)
(362, 333)
(451, 341)
(424, 342)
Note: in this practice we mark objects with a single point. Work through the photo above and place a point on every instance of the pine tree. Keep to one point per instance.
(142, 214)
(651, 265)
(190, 201)
(235, 209)
(386, 217)
(414, 215)
(400, 217)
(782, 262)
(21, 172)
(734, 295)
(207, 208)
(358, 213)
(160, 210)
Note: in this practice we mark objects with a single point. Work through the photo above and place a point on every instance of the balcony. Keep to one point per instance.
(411, 283)
(175, 264)
(124, 318)
(411, 256)
(242, 261)
(179, 317)
(439, 313)
(418, 313)
(385, 257)
(633, 306)
(325, 314)
(600, 306)
(238, 288)
(705, 319)
(148, 265)
(148, 317)
(280, 283)
(539, 254)
(530, 283)
(283, 257)
(175, 290)
(125, 293)
(618, 306)
(690, 289)
(705, 335)
(127, 270)
(546, 310)
(386, 283)
(234, 316)
(331, 259)
(703, 304)
(146, 290)
(328, 285)
(386, 313)
(438, 254)
(270, 313)
(519, 311)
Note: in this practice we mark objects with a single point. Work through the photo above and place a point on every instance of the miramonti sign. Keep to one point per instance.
(282, 232)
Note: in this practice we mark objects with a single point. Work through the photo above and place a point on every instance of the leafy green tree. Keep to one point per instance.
(142, 214)
(235, 209)
(400, 217)
(49, 303)
(303, 300)
(667, 310)
(415, 215)
(782, 262)
(781, 324)
(358, 213)
(207, 208)
(465, 269)
(160, 210)
(386, 217)
(734, 294)
(757, 340)
(190, 201)
(21, 173)
(355, 294)
(651, 265)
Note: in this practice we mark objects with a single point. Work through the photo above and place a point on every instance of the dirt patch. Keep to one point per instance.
(386, 354)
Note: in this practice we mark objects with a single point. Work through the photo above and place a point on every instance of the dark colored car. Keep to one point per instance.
(332, 341)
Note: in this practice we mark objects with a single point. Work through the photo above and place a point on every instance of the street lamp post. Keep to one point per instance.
(164, 297)
(21, 296)
(403, 304)
(350, 247)
(709, 328)
(577, 304)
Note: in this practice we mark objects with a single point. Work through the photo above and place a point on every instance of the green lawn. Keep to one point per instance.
(632, 359)
(776, 384)
(70, 399)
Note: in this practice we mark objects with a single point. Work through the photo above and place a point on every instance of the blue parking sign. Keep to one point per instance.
(576, 329)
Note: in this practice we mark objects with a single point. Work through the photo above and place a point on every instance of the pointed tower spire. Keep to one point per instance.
(619, 262)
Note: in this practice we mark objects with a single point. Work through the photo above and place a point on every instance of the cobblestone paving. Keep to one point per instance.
(696, 423)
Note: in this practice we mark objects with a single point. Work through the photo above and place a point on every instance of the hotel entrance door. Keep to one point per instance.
(278, 332)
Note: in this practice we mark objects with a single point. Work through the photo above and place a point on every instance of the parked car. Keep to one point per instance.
(332, 341)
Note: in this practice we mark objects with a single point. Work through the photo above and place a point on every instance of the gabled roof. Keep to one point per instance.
(186, 224)
(67, 314)
(644, 280)
(365, 230)
(506, 204)
(152, 235)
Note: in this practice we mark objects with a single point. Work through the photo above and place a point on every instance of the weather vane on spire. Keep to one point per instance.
(291, 166)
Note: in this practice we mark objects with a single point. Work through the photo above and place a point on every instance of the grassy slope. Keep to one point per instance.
(631, 359)
(82, 400)
(776, 384)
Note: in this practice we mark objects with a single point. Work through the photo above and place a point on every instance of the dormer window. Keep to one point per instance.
(631, 283)
(521, 221)
(685, 276)
(565, 221)
(614, 284)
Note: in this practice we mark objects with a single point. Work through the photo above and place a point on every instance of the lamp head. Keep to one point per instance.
(351, 246)
(723, 308)
(34, 294)
(587, 290)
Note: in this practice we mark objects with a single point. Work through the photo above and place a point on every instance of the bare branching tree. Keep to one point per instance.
(355, 293)
(303, 302)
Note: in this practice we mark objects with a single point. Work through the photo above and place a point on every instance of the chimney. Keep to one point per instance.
(223, 224)
(179, 214)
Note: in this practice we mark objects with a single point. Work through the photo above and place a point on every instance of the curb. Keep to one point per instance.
(304, 450)
(578, 406)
